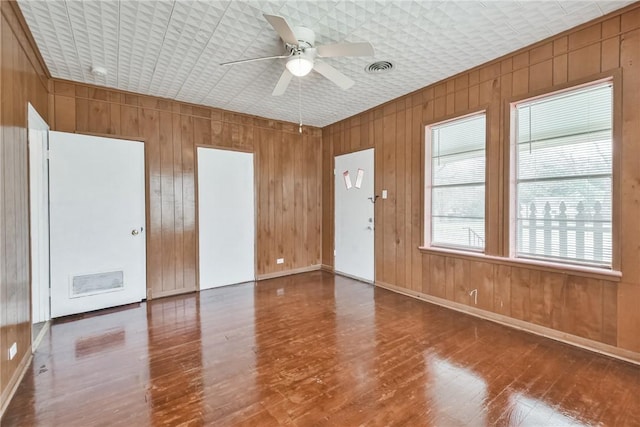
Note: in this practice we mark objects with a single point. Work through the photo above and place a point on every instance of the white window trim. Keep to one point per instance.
(427, 223)
(553, 264)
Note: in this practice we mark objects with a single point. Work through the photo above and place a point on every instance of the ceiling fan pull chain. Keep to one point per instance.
(300, 104)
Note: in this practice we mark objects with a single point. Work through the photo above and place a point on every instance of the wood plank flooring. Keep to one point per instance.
(312, 349)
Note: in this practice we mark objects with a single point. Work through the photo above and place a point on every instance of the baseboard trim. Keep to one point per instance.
(328, 268)
(15, 381)
(273, 275)
(348, 276)
(172, 292)
(584, 343)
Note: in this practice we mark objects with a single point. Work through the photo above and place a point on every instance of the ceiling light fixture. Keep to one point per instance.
(98, 71)
(299, 65)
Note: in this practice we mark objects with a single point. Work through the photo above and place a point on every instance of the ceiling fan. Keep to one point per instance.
(301, 54)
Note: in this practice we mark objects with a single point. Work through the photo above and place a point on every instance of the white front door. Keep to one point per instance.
(97, 211)
(354, 197)
(226, 220)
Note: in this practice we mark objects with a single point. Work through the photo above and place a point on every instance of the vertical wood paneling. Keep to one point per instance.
(521, 293)
(150, 131)
(502, 290)
(586, 307)
(584, 62)
(288, 200)
(327, 196)
(437, 274)
(414, 188)
(482, 278)
(379, 186)
(288, 177)
(178, 206)
(168, 201)
(22, 80)
(189, 248)
(629, 291)
(402, 196)
(389, 206)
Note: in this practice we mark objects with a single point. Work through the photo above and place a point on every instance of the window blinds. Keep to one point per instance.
(563, 177)
(457, 162)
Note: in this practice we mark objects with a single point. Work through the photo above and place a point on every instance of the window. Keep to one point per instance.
(563, 168)
(454, 178)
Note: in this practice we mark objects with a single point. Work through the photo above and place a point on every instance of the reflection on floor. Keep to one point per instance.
(313, 349)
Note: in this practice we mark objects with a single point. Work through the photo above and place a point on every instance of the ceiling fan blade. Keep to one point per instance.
(240, 61)
(334, 75)
(283, 28)
(346, 49)
(283, 83)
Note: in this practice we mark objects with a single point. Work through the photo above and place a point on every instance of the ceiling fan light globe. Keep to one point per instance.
(299, 66)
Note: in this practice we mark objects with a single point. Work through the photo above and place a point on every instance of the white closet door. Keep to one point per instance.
(97, 211)
(226, 217)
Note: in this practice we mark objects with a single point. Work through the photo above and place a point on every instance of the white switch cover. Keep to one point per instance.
(280, 261)
(13, 350)
(384, 194)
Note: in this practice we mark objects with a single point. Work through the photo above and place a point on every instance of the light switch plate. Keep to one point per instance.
(384, 194)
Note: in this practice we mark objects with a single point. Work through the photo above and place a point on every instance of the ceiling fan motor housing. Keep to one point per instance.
(305, 36)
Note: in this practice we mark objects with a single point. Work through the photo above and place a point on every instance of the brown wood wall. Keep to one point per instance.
(22, 80)
(595, 308)
(288, 189)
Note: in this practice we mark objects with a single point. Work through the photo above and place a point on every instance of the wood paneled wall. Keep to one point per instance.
(22, 79)
(288, 187)
(602, 310)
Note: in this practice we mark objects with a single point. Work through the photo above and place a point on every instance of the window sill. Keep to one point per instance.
(594, 273)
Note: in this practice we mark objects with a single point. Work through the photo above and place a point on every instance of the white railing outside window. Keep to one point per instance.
(563, 182)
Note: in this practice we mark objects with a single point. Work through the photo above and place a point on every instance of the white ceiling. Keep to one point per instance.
(172, 49)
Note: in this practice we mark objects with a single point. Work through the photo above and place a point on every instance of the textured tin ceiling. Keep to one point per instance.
(172, 49)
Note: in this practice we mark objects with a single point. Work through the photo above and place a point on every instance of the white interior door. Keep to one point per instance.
(97, 211)
(226, 217)
(39, 215)
(354, 192)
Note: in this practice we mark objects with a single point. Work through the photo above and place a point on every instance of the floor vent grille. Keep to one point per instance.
(90, 284)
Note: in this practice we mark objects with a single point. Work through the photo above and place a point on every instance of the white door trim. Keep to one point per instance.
(38, 146)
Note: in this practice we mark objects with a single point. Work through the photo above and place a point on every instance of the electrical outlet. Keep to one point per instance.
(280, 261)
(13, 350)
(384, 194)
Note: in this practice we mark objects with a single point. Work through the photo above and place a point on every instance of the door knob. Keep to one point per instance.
(134, 232)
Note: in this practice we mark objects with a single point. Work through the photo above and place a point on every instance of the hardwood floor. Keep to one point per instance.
(312, 349)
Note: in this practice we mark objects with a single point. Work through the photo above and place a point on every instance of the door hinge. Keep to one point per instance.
(334, 252)
(47, 154)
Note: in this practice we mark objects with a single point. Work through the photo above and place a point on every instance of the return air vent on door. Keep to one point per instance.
(91, 284)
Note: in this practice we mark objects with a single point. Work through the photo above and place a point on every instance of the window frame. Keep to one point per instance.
(615, 80)
(427, 174)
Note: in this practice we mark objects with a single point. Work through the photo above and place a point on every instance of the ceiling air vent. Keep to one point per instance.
(379, 67)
